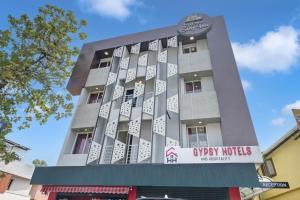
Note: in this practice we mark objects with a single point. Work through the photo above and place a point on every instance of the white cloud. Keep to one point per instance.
(119, 9)
(287, 108)
(279, 121)
(246, 85)
(285, 114)
(276, 51)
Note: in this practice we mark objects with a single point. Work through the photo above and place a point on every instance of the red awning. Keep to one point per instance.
(86, 189)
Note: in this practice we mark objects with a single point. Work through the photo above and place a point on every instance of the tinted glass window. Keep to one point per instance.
(189, 87)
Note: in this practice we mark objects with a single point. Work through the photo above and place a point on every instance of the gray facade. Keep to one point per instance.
(158, 71)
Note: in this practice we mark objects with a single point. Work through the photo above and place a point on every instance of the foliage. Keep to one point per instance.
(36, 58)
(39, 163)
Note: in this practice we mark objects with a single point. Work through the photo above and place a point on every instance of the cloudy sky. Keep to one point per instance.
(264, 36)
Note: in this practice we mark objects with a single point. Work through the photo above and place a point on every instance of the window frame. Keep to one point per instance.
(134, 99)
(189, 47)
(195, 126)
(11, 181)
(86, 141)
(265, 168)
(95, 92)
(100, 61)
(193, 81)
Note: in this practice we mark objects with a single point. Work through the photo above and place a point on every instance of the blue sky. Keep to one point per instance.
(265, 38)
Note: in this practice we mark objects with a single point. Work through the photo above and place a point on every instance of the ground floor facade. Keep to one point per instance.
(131, 182)
(133, 193)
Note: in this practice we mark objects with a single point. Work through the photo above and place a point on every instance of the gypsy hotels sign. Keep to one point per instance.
(225, 154)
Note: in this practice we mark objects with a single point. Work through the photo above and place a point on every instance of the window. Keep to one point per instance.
(104, 64)
(197, 136)
(95, 97)
(10, 184)
(82, 143)
(129, 96)
(100, 63)
(189, 48)
(193, 86)
(268, 168)
(131, 149)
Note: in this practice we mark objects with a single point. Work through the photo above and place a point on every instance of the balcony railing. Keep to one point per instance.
(107, 154)
(131, 156)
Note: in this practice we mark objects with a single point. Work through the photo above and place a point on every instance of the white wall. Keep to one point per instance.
(72, 160)
(18, 168)
(20, 185)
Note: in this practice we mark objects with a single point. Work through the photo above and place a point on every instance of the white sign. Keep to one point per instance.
(225, 154)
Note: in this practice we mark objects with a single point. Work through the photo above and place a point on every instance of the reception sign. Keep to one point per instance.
(225, 154)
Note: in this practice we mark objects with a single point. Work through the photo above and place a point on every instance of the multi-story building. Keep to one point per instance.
(160, 113)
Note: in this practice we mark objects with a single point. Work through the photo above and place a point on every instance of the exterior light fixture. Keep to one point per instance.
(192, 38)
(106, 53)
(195, 75)
(96, 88)
(200, 122)
(85, 129)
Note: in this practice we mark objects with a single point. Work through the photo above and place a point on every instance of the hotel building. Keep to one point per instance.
(161, 113)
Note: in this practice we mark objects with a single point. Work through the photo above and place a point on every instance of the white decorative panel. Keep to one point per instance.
(131, 74)
(112, 77)
(118, 52)
(172, 103)
(124, 63)
(172, 69)
(126, 108)
(94, 152)
(172, 42)
(134, 127)
(160, 87)
(119, 151)
(135, 48)
(144, 150)
(153, 46)
(151, 72)
(159, 125)
(148, 106)
(104, 110)
(162, 56)
(143, 60)
(171, 142)
(118, 92)
(138, 89)
(111, 128)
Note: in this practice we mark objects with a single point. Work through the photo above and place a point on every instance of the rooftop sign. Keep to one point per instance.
(225, 154)
(193, 25)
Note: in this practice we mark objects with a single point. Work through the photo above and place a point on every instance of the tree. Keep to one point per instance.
(36, 58)
(39, 163)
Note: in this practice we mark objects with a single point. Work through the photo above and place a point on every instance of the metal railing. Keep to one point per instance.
(107, 154)
(131, 156)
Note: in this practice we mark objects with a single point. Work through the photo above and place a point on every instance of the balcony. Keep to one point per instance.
(194, 62)
(97, 77)
(202, 105)
(86, 116)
